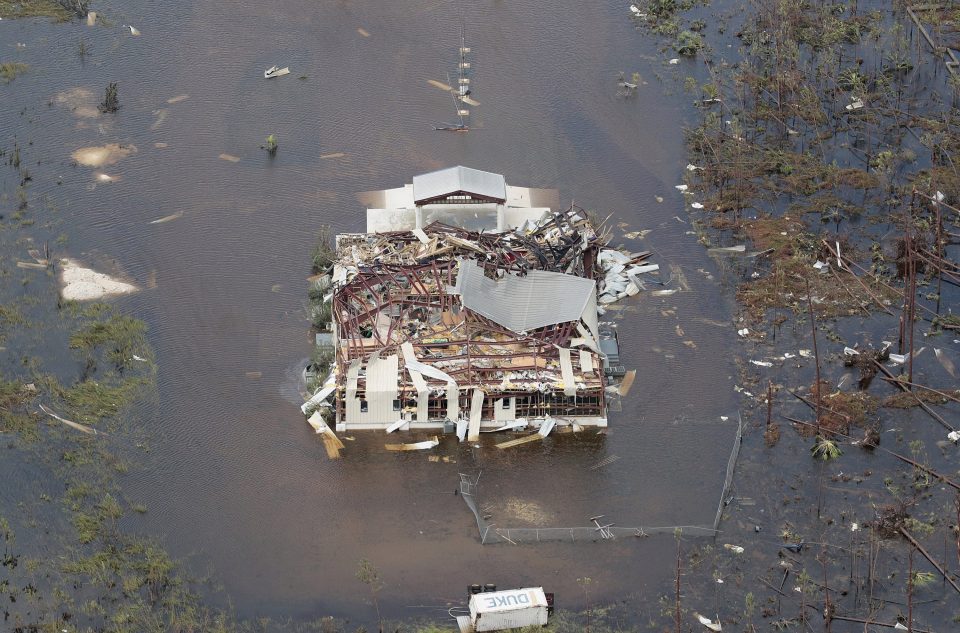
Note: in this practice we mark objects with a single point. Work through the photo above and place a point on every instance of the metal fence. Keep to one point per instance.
(490, 533)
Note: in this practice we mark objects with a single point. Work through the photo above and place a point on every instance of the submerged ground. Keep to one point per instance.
(213, 461)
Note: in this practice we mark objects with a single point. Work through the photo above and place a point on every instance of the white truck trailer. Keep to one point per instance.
(510, 609)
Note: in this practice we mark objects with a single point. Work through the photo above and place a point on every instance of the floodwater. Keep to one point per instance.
(235, 480)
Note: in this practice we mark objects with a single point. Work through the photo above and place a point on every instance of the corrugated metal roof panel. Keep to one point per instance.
(438, 184)
(522, 304)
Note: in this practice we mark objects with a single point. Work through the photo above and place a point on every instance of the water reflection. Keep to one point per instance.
(235, 476)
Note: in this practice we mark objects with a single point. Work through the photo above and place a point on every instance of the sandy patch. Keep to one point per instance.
(528, 512)
(80, 101)
(104, 155)
(85, 284)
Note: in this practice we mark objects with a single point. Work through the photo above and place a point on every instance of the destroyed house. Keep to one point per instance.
(436, 323)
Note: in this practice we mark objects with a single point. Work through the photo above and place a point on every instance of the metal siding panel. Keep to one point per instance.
(423, 403)
(453, 402)
(566, 372)
(526, 303)
(476, 409)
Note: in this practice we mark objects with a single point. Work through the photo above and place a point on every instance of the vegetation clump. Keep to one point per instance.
(324, 254)
(10, 70)
(111, 99)
(12, 9)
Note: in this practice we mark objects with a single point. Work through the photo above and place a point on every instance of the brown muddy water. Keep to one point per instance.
(235, 480)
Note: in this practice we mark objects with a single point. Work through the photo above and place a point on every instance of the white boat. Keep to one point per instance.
(276, 71)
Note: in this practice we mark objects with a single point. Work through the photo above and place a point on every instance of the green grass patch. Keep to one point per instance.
(91, 401)
(10, 70)
(120, 336)
(34, 9)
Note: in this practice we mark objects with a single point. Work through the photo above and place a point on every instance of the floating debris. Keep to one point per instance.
(740, 248)
(168, 218)
(945, 362)
(363, 32)
(415, 446)
(713, 626)
(736, 549)
(83, 428)
(229, 157)
(177, 99)
(276, 71)
(85, 284)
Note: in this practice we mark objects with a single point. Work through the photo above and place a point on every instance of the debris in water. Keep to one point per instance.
(675, 60)
(521, 440)
(73, 425)
(805, 353)
(415, 446)
(276, 71)
(177, 99)
(856, 104)
(133, 30)
(105, 155)
(102, 177)
(696, 205)
(396, 426)
(439, 84)
(334, 155)
(743, 332)
(680, 187)
(168, 218)
(740, 248)
(84, 284)
(736, 549)
(331, 443)
(761, 363)
(664, 293)
(363, 32)
(713, 626)
(92, 18)
(945, 362)
(229, 157)
(954, 436)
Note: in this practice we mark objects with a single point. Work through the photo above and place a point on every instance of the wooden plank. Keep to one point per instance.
(520, 440)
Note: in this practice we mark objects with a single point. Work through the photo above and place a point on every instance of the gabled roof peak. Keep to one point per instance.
(437, 185)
